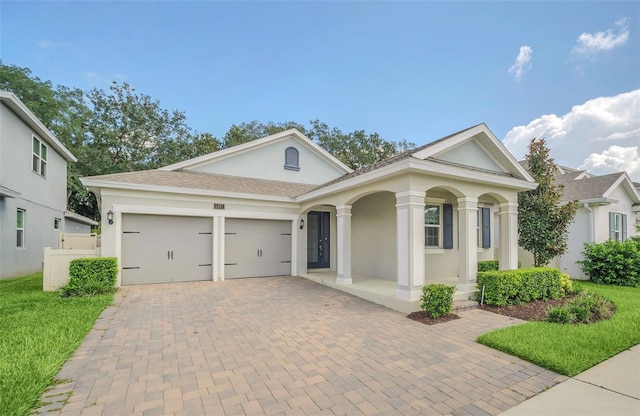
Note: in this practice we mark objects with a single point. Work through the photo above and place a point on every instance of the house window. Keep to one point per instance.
(56, 223)
(39, 157)
(432, 223)
(20, 228)
(617, 226)
(291, 159)
(483, 230)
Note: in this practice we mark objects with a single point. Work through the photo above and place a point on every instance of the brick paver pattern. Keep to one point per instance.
(284, 346)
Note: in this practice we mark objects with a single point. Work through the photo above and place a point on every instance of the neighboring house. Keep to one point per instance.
(76, 223)
(33, 188)
(608, 208)
(281, 205)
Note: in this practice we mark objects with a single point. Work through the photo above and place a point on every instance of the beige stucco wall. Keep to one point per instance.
(373, 227)
(267, 162)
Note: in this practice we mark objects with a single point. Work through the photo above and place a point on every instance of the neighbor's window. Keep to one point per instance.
(39, 159)
(432, 223)
(20, 228)
(291, 159)
(56, 223)
(617, 226)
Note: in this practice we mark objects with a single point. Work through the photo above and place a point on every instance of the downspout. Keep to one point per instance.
(590, 231)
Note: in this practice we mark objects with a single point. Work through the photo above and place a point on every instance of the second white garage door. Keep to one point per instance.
(162, 248)
(257, 248)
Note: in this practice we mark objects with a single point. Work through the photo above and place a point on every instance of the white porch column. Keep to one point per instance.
(410, 242)
(508, 235)
(343, 216)
(468, 239)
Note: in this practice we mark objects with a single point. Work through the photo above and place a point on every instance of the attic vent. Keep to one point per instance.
(291, 159)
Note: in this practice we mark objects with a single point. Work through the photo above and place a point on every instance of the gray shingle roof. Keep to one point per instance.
(586, 188)
(208, 182)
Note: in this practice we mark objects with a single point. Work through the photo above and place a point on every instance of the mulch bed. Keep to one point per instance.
(532, 311)
(423, 316)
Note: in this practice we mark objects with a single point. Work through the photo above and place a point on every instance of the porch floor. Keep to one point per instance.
(383, 292)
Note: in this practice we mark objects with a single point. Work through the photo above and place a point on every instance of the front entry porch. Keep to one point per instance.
(383, 292)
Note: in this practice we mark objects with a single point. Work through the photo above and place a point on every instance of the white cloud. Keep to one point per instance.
(46, 44)
(589, 44)
(601, 135)
(522, 63)
(616, 158)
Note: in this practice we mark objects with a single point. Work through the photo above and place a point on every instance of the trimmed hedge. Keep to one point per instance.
(490, 265)
(91, 277)
(437, 299)
(508, 287)
(612, 262)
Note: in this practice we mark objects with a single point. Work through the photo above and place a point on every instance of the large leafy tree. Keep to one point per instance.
(543, 219)
(356, 149)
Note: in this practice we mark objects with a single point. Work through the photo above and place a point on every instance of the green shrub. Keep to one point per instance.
(491, 265)
(91, 277)
(585, 308)
(566, 285)
(612, 262)
(437, 299)
(559, 315)
(506, 287)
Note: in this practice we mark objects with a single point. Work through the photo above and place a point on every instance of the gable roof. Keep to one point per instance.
(206, 183)
(254, 144)
(18, 107)
(582, 186)
(433, 149)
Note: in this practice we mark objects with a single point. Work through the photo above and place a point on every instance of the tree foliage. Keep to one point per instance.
(543, 220)
(121, 130)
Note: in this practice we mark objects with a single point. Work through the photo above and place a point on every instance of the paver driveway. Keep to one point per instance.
(284, 345)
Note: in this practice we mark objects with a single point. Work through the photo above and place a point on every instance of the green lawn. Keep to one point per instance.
(38, 332)
(571, 349)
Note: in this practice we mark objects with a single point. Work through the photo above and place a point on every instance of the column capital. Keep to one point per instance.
(467, 203)
(343, 210)
(407, 198)
(508, 208)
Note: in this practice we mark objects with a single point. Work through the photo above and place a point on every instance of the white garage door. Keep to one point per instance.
(256, 248)
(161, 249)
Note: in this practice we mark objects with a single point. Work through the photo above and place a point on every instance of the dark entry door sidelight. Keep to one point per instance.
(318, 248)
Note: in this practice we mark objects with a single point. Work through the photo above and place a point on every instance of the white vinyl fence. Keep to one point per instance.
(56, 265)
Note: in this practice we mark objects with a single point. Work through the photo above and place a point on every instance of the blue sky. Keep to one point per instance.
(567, 71)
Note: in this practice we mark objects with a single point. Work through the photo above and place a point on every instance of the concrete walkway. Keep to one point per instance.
(284, 345)
(610, 388)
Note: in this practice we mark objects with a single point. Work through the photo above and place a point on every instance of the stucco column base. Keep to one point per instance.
(341, 280)
(410, 295)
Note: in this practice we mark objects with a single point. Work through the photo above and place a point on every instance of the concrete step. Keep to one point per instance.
(463, 305)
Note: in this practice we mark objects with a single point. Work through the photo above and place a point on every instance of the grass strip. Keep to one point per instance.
(39, 331)
(571, 349)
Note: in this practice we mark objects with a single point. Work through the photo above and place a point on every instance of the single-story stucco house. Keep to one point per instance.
(281, 205)
(608, 208)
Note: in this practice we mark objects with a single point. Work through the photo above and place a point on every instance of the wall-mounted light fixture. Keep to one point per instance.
(110, 217)
(301, 223)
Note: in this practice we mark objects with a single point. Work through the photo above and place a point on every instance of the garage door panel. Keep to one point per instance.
(160, 249)
(257, 248)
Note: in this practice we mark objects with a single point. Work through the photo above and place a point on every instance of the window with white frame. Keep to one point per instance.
(39, 157)
(291, 159)
(483, 228)
(20, 223)
(617, 226)
(56, 223)
(432, 221)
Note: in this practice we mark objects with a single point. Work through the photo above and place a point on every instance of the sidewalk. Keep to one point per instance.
(610, 388)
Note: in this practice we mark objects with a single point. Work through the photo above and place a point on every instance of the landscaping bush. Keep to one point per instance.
(507, 287)
(491, 265)
(612, 262)
(587, 307)
(91, 277)
(566, 285)
(437, 299)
